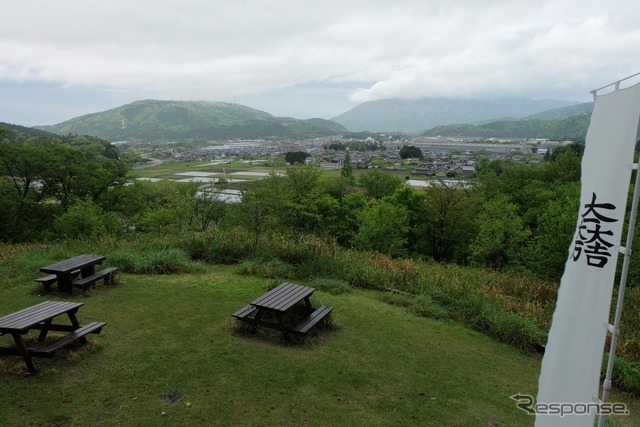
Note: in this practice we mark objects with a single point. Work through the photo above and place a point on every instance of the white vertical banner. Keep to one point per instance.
(572, 362)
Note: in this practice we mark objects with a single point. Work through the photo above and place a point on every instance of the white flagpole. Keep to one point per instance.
(615, 329)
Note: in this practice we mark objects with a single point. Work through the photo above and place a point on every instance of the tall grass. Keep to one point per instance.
(159, 261)
(219, 246)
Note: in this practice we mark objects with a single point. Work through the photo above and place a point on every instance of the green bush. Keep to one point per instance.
(127, 260)
(160, 261)
(269, 269)
(167, 261)
(86, 220)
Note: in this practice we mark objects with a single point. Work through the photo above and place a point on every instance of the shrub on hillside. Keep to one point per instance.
(159, 261)
(267, 268)
(86, 220)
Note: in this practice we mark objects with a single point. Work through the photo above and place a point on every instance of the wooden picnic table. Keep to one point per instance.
(40, 317)
(277, 304)
(63, 270)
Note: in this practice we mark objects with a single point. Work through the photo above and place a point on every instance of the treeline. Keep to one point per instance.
(41, 179)
(514, 217)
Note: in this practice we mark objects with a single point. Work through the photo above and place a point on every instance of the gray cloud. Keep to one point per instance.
(253, 49)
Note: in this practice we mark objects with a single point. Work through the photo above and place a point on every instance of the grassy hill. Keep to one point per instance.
(178, 120)
(171, 354)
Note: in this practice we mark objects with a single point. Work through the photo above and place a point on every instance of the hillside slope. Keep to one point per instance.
(151, 120)
(416, 116)
(569, 128)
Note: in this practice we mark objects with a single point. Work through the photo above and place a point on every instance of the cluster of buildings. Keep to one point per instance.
(442, 157)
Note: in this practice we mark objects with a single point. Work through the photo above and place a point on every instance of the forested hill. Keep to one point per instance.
(563, 112)
(17, 133)
(570, 128)
(419, 115)
(151, 120)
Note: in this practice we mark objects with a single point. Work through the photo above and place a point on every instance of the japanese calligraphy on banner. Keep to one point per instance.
(572, 362)
(592, 237)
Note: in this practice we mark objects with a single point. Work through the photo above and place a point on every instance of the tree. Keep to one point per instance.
(210, 206)
(546, 253)
(300, 188)
(383, 228)
(293, 157)
(502, 236)
(167, 207)
(451, 213)
(71, 173)
(347, 168)
(260, 206)
(43, 170)
(565, 165)
(377, 184)
(415, 205)
(86, 220)
(410, 151)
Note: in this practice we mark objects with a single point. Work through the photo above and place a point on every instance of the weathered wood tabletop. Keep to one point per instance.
(85, 263)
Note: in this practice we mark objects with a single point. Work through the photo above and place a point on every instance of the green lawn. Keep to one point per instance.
(171, 355)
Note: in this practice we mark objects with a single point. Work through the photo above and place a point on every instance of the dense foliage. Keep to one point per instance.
(45, 183)
(293, 157)
(150, 120)
(410, 151)
(515, 217)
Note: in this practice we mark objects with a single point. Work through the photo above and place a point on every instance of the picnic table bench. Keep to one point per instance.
(63, 273)
(272, 309)
(40, 317)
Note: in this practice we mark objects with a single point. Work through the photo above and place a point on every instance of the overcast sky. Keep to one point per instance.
(305, 58)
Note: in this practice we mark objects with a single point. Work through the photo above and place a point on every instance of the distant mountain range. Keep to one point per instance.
(566, 123)
(152, 120)
(420, 115)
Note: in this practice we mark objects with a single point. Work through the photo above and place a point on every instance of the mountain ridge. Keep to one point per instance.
(167, 120)
(149, 120)
(417, 116)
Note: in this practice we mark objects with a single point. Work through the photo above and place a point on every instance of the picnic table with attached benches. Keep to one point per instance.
(272, 310)
(40, 317)
(63, 272)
